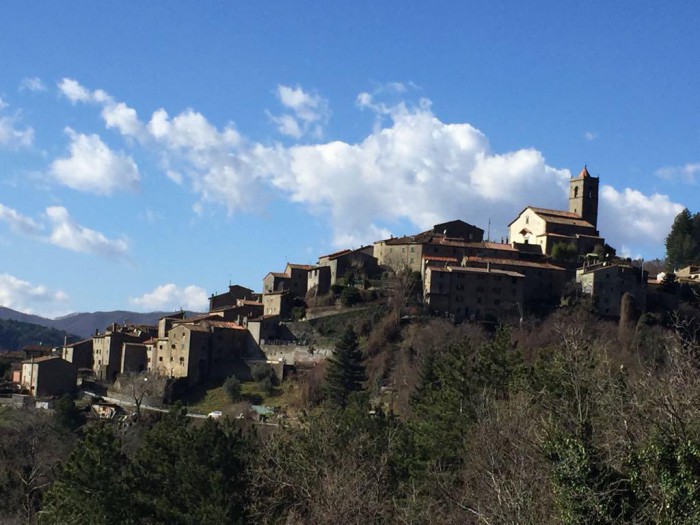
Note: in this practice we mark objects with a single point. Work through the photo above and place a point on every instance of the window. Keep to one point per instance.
(160, 358)
(412, 249)
(182, 360)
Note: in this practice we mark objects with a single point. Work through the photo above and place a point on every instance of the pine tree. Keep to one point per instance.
(681, 244)
(345, 373)
(90, 487)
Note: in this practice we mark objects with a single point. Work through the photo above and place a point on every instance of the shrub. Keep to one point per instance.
(263, 371)
(232, 387)
(350, 296)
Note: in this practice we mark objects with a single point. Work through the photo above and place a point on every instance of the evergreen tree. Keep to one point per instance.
(345, 373)
(682, 246)
(90, 487)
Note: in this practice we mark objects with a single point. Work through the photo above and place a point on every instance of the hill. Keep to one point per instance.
(17, 334)
(84, 325)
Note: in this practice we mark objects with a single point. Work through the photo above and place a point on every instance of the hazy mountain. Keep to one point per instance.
(85, 324)
(15, 335)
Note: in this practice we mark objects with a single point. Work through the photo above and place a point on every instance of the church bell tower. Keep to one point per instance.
(583, 196)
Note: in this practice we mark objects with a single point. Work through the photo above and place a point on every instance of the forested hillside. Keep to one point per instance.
(16, 334)
(567, 419)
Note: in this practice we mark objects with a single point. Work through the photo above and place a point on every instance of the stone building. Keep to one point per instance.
(230, 298)
(442, 240)
(607, 283)
(471, 293)
(578, 226)
(543, 283)
(48, 376)
(196, 349)
(278, 303)
(108, 347)
(80, 353)
(360, 263)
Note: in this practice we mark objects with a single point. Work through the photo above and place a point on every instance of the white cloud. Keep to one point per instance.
(18, 222)
(73, 91)
(636, 221)
(411, 169)
(68, 234)
(26, 297)
(33, 84)
(93, 167)
(171, 297)
(589, 135)
(309, 112)
(686, 173)
(123, 118)
(12, 136)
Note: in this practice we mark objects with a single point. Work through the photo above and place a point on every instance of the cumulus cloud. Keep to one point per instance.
(68, 234)
(25, 297)
(93, 167)
(18, 222)
(411, 169)
(309, 112)
(171, 297)
(635, 221)
(12, 136)
(686, 173)
(33, 84)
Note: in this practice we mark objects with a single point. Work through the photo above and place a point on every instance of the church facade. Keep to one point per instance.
(578, 226)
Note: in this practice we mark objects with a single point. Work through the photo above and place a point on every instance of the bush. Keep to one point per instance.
(232, 387)
(298, 313)
(350, 296)
(263, 371)
(337, 289)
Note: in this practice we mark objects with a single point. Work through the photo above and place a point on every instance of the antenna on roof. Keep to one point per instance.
(488, 234)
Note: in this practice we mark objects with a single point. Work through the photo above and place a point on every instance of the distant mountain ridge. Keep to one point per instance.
(85, 324)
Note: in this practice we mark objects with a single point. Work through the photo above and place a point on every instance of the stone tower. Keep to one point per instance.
(583, 196)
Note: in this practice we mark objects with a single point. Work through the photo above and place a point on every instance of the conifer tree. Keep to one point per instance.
(681, 245)
(345, 373)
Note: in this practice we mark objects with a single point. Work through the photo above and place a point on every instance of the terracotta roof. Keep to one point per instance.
(195, 327)
(41, 359)
(436, 258)
(225, 324)
(334, 254)
(70, 345)
(513, 262)
(463, 269)
(583, 173)
(279, 274)
(300, 266)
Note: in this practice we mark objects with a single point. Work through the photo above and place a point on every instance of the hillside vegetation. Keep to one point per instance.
(16, 334)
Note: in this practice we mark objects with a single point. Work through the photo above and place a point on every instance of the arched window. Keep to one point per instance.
(575, 192)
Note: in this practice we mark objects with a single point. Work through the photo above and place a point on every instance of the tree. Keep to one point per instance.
(563, 251)
(350, 296)
(345, 372)
(681, 243)
(232, 387)
(91, 487)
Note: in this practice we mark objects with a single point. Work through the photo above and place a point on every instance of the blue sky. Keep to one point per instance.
(152, 152)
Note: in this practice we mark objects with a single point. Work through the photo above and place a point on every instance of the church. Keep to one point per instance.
(578, 226)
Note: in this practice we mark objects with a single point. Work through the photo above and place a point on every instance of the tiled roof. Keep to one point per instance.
(463, 269)
(71, 345)
(41, 359)
(583, 173)
(300, 266)
(279, 275)
(436, 258)
(334, 254)
(225, 324)
(513, 262)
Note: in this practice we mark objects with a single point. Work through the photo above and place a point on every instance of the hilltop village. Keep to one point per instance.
(549, 256)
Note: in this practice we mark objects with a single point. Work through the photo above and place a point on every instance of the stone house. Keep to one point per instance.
(360, 262)
(546, 228)
(471, 293)
(134, 358)
(108, 346)
(230, 298)
(278, 303)
(275, 282)
(48, 376)
(196, 350)
(543, 284)
(79, 353)
(607, 283)
(298, 278)
(407, 252)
